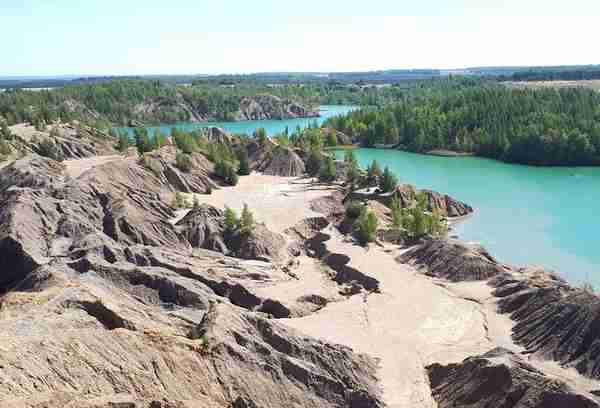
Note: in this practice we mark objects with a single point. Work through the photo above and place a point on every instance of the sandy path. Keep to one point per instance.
(76, 167)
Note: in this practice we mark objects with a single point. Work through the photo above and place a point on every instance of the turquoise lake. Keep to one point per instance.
(272, 127)
(524, 215)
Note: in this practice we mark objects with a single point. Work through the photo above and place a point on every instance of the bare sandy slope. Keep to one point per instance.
(279, 202)
(77, 167)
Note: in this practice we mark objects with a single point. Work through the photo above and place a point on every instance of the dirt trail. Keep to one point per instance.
(77, 167)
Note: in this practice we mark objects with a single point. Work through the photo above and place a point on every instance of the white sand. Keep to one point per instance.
(76, 167)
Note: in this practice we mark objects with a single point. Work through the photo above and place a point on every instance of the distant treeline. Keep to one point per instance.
(565, 75)
(124, 102)
(540, 127)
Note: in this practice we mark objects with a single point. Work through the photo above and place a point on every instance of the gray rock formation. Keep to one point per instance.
(72, 141)
(104, 303)
(446, 205)
(266, 106)
(500, 378)
(453, 260)
(554, 319)
(274, 160)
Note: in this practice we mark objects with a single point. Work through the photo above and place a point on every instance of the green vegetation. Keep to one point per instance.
(416, 221)
(179, 201)
(328, 170)
(232, 221)
(244, 165)
(388, 181)
(247, 224)
(353, 174)
(373, 173)
(123, 142)
(541, 127)
(49, 149)
(354, 209)
(184, 162)
(226, 171)
(366, 226)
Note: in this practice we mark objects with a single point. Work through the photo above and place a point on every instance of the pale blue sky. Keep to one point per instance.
(115, 37)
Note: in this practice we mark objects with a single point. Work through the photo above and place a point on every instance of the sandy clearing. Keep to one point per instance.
(76, 167)
(279, 202)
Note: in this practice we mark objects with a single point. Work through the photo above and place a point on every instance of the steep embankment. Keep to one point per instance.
(105, 302)
(500, 378)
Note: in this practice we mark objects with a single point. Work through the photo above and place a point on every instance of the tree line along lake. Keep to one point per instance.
(525, 215)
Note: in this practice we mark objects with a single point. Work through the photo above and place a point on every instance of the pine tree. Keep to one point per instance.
(388, 181)
(244, 166)
(247, 220)
(232, 222)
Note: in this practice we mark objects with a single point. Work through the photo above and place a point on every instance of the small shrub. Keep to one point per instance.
(179, 201)
(226, 171)
(354, 209)
(328, 171)
(366, 226)
(49, 149)
(184, 162)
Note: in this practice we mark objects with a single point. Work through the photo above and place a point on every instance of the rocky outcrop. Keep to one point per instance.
(554, 319)
(453, 260)
(274, 160)
(104, 303)
(407, 194)
(500, 378)
(180, 108)
(266, 106)
(341, 138)
(72, 141)
(163, 165)
(204, 227)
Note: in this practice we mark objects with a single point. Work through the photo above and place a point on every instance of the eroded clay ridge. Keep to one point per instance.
(554, 319)
(105, 302)
(500, 378)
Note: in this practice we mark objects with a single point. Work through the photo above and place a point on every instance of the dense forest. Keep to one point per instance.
(559, 75)
(123, 102)
(540, 127)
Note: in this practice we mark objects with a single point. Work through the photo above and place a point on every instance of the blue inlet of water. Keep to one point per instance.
(547, 216)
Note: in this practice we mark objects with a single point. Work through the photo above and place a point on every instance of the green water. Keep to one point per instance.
(524, 215)
(272, 127)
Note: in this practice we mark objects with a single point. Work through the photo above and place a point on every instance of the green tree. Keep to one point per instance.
(123, 142)
(247, 220)
(352, 169)
(142, 140)
(184, 162)
(244, 166)
(5, 133)
(397, 212)
(366, 226)
(261, 136)
(373, 173)
(314, 162)
(388, 181)
(328, 171)
(232, 222)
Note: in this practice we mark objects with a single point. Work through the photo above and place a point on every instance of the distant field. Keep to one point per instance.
(591, 84)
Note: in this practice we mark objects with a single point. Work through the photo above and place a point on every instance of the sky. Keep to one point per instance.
(135, 37)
